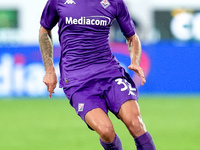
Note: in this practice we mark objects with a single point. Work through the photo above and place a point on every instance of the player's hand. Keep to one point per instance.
(138, 71)
(50, 79)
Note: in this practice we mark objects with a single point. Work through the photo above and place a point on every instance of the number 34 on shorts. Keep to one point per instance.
(126, 86)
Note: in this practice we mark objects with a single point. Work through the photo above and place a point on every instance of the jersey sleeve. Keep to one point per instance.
(124, 20)
(49, 16)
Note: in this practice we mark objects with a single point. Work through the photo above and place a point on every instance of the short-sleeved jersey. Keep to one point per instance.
(84, 27)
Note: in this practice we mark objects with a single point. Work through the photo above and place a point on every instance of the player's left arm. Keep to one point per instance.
(135, 50)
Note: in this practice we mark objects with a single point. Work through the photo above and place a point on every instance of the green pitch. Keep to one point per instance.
(44, 124)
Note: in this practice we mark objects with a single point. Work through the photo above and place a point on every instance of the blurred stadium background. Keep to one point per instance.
(170, 100)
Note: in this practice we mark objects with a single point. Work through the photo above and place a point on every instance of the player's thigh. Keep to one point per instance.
(120, 91)
(129, 113)
(128, 110)
(98, 120)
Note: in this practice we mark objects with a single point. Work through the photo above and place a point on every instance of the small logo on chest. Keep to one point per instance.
(105, 3)
(69, 2)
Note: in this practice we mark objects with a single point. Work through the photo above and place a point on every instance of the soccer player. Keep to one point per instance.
(91, 77)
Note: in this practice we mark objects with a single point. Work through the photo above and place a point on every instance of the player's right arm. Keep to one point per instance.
(46, 49)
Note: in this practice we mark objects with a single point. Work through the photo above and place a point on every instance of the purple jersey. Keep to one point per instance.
(84, 27)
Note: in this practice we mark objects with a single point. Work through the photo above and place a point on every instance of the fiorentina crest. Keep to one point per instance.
(105, 3)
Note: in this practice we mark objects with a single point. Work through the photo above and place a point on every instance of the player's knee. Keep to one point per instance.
(136, 126)
(107, 133)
